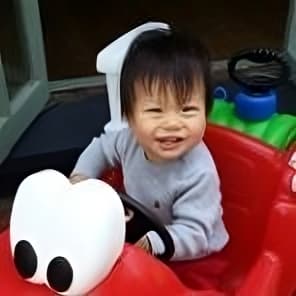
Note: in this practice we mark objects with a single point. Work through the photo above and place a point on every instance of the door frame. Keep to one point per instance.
(19, 111)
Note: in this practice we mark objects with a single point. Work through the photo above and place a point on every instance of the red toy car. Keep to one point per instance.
(259, 212)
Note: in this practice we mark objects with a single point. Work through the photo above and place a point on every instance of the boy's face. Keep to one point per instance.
(165, 130)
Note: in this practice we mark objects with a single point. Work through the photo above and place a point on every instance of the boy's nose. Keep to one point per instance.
(172, 123)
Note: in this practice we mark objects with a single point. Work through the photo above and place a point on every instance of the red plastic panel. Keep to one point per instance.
(135, 273)
(259, 212)
(253, 177)
(249, 174)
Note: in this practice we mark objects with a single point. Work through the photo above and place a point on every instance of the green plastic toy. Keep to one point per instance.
(279, 130)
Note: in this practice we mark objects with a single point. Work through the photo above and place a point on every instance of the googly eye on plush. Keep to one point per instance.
(66, 236)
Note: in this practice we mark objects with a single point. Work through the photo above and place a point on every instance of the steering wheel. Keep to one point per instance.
(144, 220)
(269, 70)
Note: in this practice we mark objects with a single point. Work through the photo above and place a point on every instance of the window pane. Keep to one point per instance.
(16, 67)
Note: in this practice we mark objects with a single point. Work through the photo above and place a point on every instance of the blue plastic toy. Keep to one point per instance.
(257, 97)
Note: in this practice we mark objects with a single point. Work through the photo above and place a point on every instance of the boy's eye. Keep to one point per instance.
(190, 109)
(154, 110)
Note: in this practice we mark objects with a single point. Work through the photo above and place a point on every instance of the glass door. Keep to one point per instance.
(23, 78)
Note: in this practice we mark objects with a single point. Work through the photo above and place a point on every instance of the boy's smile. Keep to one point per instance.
(164, 129)
(168, 143)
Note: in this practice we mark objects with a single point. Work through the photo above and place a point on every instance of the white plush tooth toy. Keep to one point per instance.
(110, 60)
(66, 236)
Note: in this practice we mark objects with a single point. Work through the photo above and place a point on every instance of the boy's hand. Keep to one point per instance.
(144, 244)
(294, 183)
(75, 178)
(292, 164)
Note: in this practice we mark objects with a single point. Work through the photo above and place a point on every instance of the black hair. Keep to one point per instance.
(168, 58)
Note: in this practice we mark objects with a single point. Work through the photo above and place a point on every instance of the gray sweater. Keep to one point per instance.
(184, 194)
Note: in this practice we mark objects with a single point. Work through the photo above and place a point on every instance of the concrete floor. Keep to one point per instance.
(6, 198)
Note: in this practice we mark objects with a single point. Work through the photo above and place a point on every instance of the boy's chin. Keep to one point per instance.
(167, 156)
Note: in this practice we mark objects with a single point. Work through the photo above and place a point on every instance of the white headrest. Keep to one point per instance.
(111, 58)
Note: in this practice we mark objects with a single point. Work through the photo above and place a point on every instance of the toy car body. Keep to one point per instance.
(260, 215)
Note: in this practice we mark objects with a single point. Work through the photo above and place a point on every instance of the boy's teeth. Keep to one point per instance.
(169, 140)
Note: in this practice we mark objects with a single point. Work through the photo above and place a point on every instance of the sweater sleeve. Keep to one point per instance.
(101, 153)
(197, 228)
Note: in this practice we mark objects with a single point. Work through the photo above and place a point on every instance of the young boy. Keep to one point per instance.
(165, 97)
